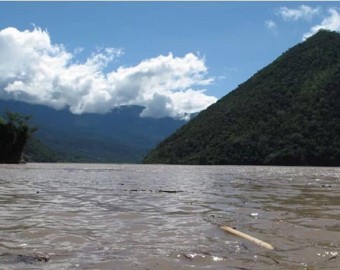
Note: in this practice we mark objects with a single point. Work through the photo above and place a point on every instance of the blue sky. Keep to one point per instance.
(221, 43)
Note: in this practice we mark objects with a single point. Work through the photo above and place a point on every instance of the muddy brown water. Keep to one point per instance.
(99, 216)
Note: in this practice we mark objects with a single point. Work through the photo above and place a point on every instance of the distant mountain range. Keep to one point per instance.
(286, 114)
(119, 136)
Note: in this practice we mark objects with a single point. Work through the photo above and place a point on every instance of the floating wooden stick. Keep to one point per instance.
(247, 237)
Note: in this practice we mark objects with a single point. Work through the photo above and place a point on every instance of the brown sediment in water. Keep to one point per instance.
(88, 215)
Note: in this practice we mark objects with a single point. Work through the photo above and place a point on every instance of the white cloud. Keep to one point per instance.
(78, 50)
(34, 70)
(332, 22)
(271, 25)
(303, 12)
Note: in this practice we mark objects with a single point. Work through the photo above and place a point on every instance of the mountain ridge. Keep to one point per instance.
(285, 114)
(120, 136)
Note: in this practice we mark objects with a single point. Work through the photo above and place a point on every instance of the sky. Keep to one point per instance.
(173, 58)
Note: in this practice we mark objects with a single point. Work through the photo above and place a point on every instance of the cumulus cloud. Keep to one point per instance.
(303, 12)
(332, 22)
(34, 70)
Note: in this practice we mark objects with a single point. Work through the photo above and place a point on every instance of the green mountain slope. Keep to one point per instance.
(286, 114)
(36, 151)
(121, 136)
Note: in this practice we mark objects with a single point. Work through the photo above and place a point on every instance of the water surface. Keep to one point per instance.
(99, 216)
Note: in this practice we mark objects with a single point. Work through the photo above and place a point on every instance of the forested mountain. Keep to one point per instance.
(286, 114)
(118, 136)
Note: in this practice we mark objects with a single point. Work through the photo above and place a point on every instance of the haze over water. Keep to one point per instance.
(99, 216)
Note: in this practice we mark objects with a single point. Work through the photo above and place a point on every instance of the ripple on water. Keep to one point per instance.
(101, 216)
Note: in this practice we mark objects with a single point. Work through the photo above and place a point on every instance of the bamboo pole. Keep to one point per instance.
(247, 237)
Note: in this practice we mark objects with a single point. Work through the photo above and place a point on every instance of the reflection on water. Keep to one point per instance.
(97, 216)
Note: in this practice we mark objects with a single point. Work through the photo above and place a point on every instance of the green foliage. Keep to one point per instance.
(14, 132)
(286, 114)
(37, 151)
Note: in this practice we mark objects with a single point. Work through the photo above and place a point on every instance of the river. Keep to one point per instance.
(162, 217)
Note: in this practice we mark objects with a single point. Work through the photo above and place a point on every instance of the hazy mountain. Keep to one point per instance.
(119, 136)
(286, 114)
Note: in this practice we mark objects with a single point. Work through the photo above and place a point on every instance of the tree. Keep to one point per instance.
(15, 129)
